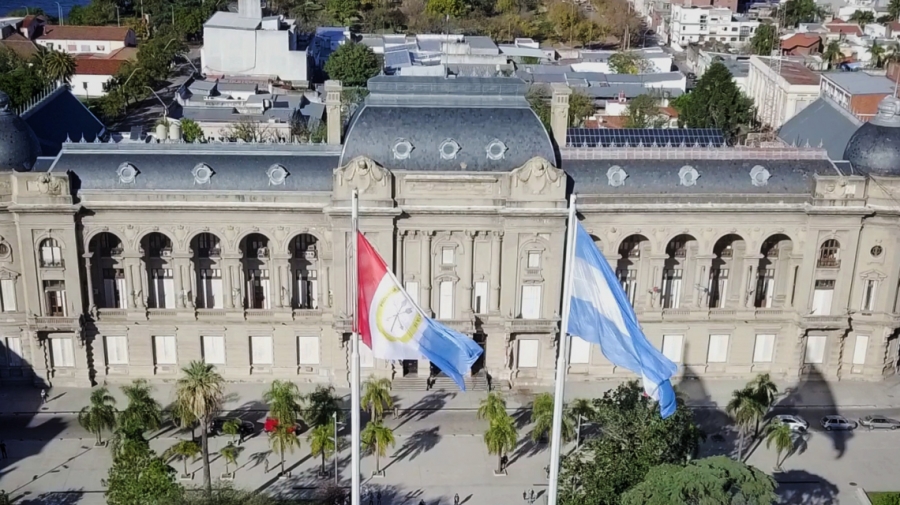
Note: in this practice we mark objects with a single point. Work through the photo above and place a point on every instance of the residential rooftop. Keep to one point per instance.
(861, 83)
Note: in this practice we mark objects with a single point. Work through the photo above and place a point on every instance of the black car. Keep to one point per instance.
(245, 428)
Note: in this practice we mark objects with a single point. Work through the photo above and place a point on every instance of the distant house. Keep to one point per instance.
(801, 44)
(93, 71)
(86, 39)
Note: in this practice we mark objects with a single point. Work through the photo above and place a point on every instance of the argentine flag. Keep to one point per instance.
(601, 314)
(395, 328)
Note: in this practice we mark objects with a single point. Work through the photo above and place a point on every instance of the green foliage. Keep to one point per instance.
(454, 8)
(894, 10)
(377, 438)
(19, 78)
(230, 453)
(376, 396)
(764, 389)
(540, 105)
(342, 12)
(501, 436)
(580, 410)
(321, 405)
(763, 41)
(227, 495)
(191, 131)
(283, 399)
(283, 439)
(141, 478)
(878, 54)
(832, 53)
(492, 407)
(862, 17)
(542, 418)
(321, 442)
(643, 111)
(201, 391)
(581, 106)
(746, 409)
(801, 11)
(353, 64)
(143, 413)
(718, 480)
(100, 414)
(628, 63)
(55, 65)
(889, 498)
(781, 436)
(183, 450)
(232, 428)
(635, 439)
(716, 102)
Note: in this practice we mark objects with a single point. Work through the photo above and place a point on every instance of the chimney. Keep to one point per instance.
(250, 9)
(333, 111)
(559, 112)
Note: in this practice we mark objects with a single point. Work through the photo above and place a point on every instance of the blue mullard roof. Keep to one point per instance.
(59, 116)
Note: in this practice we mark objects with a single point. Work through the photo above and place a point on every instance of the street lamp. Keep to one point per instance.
(334, 416)
(62, 22)
(165, 108)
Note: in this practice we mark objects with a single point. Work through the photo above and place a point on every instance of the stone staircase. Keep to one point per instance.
(477, 382)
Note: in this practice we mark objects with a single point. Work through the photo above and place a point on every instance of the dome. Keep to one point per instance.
(19, 146)
(875, 146)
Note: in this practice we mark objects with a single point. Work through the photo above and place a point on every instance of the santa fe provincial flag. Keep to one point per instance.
(395, 328)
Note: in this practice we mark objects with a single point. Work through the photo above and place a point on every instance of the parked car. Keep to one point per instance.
(272, 423)
(879, 422)
(838, 423)
(796, 423)
(245, 429)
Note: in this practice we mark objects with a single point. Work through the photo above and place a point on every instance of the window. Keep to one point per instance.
(671, 292)
(718, 349)
(628, 278)
(868, 300)
(859, 351)
(162, 289)
(534, 259)
(258, 289)
(481, 294)
(63, 352)
(114, 292)
(822, 297)
(116, 350)
(672, 347)
(828, 254)
(51, 253)
(55, 298)
(412, 289)
(13, 351)
(85, 48)
(531, 301)
(208, 246)
(308, 350)
(308, 287)
(366, 358)
(8, 295)
(101, 48)
(445, 308)
(528, 353)
(718, 288)
(214, 350)
(765, 288)
(580, 351)
(815, 350)
(764, 349)
(209, 287)
(165, 350)
(261, 350)
(447, 255)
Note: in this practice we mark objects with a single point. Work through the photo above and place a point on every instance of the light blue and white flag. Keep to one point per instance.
(601, 314)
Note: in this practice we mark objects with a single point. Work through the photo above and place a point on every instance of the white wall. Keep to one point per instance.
(94, 85)
(93, 46)
(252, 52)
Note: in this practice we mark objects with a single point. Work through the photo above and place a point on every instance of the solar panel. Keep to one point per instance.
(135, 133)
(645, 137)
(397, 59)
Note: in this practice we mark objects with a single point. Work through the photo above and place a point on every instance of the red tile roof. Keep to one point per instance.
(894, 26)
(844, 28)
(800, 40)
(20, 45)
(97, 66)
(117, 33)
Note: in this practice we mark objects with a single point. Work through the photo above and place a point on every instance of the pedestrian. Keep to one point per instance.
(43, 396)
(456, 499)
(503, 462)
(3, 450)
(421, 502)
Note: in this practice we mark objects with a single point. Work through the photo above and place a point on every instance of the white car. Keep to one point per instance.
(796, 423)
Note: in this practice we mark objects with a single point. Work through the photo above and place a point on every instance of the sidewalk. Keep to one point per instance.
(25, 400)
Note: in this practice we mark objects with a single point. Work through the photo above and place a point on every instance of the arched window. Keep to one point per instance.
(51, 253)
(829, 254)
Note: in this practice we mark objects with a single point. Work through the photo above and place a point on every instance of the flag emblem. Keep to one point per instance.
(396, 317)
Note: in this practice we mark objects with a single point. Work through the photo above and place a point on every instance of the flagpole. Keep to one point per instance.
(354, 358)
(563, 358)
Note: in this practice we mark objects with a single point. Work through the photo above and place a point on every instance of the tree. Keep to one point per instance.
(833, 54)
(142, 414)
(342, 12)
(628, 62)
(232, 428)
(580, 107)
(201, 390)
(377, 396)
(564, 17)
(454, 8)
(321, 442)
(710, 480)
(321, 407)
(283, 399)
(501, 437)
(764, 389)
(353, 64)
(643, 111)
(283, 438)
(877, 51)
(141, 478)
(377, 438)
(56, 66)
(100, 414)
(717, 102)
(507, 6)
(248, 129)
(230, 453)
(782, 437)
(862, 17)
(746, 409)
(191, 131)
(492, 407)
(542, 418)
(581, 409)
(801, 11)
(540, 106)
(894, 10)
(183, 417)
(763, 41)
(183, 450)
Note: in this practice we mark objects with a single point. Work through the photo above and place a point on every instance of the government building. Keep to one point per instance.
(125, 260)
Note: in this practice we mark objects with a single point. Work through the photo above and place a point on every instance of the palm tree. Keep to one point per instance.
(142, 414)
(781, 435)
(877, 51)
(230, 452)
(832, 53)
(765, 392)
(582, 409)
(377, 438)
(377, 396)
(501, 437)
(100, 414)
(321, 443)
(201, 391)
(283, 438)
(183, 417)
(321, 406)
(183, 450)
(283, 398)
(232, 428)
(863, 17)
(494, 406)
(745, 409)
(542, 418)
(56, 65)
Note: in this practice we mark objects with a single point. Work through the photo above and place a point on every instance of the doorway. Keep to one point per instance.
(410, 367)
(480, 339)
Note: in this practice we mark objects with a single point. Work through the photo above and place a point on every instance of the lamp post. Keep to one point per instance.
(165, 108)
(62, 22)
(334, 417)
(27, 12)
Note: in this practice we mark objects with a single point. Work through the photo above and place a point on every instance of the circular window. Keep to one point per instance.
(277, 175)
(876, 251)
(449, 148)
(202, 173)
(496, 150)
(127, 173)
(402, 149)
(4, 249)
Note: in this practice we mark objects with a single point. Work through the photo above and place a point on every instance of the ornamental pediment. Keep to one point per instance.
(538, 177)
(363, 175)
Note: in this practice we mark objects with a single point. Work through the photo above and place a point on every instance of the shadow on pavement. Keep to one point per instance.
(425, 407)
(416, 444)
(54, 498)
(799, 487)
(722, 437)
(814, 391)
